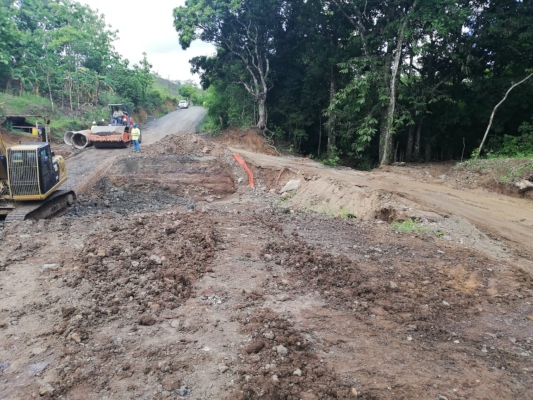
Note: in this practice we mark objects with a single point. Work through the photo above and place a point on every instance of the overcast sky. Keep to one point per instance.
(148, 27)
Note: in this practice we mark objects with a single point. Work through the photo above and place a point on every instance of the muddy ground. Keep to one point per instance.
(172, 278)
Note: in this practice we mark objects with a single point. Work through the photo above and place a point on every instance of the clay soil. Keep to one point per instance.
(173, 278)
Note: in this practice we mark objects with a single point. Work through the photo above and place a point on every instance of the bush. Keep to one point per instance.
(331, 159)
(513, 146)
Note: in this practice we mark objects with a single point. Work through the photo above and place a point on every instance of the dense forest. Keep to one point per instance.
(63, 50)
(371, 81)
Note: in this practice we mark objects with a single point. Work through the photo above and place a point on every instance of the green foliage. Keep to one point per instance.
(9, 34)
(509, 146)
(504, 170)
(25, 104)
(346, 213)
(63, 50)
(365, 163)
(166, 88)
(411, 226)
(186, 91)
(330, 72)
(408, 225)
(331, 159)
(229, 107)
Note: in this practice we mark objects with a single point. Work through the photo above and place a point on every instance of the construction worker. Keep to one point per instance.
(94, 126)
(135, 135)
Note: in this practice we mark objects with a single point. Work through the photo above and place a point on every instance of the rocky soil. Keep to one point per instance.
(172, 278)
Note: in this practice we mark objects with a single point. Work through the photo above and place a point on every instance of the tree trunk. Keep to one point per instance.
(389, 127)
(428, 152)
(319, 133)
(387, 146)
(382, 132)
(409, 147)
(50, 90)
(70, 84)
(332, 134)
(494, 112)
(416, 150)
(262, 122)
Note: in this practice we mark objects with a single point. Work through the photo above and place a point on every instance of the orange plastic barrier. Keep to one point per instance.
(279, 176)
(239, 159)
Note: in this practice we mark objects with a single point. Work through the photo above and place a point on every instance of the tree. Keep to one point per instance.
(9, 35)
(494, 111)
(144, 77)
(245, 29)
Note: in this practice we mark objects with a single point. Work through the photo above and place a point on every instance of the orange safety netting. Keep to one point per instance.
(239, 159)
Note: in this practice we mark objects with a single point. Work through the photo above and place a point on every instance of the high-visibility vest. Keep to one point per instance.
(135, 134)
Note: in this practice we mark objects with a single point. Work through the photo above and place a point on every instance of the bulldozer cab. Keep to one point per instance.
(32, 171)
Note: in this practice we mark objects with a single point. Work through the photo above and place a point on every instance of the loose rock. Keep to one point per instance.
(147, 320)
(292, 185)
(255, 347)
(156, 259)
(46, 389)
(222, 368)
(171, 383)
(176, 323)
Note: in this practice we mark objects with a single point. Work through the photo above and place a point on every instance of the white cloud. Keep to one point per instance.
(148, 27)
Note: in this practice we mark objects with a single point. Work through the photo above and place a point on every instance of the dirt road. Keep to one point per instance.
(82, 166)
(500, 217)
(172, 278)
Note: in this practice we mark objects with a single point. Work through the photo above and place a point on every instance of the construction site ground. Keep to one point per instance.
(173, 278)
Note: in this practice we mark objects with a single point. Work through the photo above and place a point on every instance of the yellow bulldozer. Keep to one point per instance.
(30, 175)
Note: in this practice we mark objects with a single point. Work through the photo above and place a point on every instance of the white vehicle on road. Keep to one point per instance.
(183, 104)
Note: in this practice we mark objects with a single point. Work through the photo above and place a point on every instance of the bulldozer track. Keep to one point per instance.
(57, 202)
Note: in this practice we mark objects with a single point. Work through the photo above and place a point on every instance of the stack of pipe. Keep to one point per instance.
(78, 139)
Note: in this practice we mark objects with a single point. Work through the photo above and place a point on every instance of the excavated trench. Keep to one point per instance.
(154, 183)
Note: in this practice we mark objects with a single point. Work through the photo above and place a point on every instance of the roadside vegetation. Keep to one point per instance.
(412, 226)
(509, 159)
(364, 83)
(57, 60)
(503, 169)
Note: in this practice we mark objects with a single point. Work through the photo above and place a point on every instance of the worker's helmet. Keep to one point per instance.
(94, 122)
(135, 124)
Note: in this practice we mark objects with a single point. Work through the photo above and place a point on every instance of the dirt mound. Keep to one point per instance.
(290, 368)
(11, 139)
(184, 143)
(130, 277)
(250, 139)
